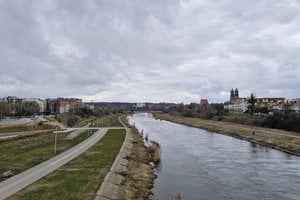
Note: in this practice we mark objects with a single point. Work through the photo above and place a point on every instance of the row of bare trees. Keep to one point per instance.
(18, 109)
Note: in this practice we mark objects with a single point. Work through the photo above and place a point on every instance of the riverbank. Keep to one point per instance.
(140, 175)
(288, 142)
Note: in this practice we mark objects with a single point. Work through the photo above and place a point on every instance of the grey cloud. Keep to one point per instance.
(139, 50)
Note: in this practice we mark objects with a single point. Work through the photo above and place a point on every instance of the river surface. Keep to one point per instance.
(203, 165)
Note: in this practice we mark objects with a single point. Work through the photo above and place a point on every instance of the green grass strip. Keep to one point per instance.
(108, 121)
(80, 178)
(22, 154)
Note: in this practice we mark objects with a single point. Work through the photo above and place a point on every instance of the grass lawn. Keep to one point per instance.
(84, 121)
(21, 154)
(107, 121)
(80, 178)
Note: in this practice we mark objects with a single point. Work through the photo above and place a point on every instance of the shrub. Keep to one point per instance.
(72, 120)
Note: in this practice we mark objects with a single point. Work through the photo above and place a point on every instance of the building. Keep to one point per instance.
(235, 103)
(294, 104)
(204, 102)
(90, 105)
(271, 103)
(51, 106)
(238, 106)
(234, 96)
(64, 105)
(40, 102)
(140, 105)
(12, 99)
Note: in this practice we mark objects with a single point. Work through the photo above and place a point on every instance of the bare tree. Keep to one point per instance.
(5, 109)
(251, 100)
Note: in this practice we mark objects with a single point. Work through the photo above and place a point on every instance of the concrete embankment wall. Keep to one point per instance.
(111, 187)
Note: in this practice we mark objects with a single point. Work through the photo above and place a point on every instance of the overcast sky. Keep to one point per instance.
(149, 50)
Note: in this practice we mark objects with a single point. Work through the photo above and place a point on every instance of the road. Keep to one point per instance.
(20, 181)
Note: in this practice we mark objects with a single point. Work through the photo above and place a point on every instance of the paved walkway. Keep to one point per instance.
(20, 181)
(77, 132)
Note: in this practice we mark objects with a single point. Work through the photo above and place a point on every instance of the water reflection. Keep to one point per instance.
(202, 165)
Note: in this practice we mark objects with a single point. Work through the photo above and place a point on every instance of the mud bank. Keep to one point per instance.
(140, 175)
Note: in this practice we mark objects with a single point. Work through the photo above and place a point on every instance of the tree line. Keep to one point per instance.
(285, 119)
(18, 109)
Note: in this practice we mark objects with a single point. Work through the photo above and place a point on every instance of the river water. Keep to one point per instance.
(203, 165)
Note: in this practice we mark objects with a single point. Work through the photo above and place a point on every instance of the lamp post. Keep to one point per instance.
(55, 142)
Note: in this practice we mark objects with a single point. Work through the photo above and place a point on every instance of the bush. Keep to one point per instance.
(187, 113)
(289, 121)
(220, 118)
(72, 120)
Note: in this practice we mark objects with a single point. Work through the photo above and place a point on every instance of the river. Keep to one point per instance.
(203, 165)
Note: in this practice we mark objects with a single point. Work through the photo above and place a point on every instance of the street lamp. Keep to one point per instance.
(55, 140)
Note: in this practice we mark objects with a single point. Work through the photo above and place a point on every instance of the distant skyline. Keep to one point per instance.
(149, 51)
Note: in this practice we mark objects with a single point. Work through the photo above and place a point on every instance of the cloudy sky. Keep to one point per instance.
(149, 50)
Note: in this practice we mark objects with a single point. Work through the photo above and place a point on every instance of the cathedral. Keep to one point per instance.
(234, 95)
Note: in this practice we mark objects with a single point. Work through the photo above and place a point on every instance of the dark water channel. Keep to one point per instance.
(203, 165)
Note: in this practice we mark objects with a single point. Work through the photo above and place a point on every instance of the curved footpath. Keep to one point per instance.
(74, 134)
(20, 181)
(111, 187)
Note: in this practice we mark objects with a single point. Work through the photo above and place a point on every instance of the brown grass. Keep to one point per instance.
(278, 139)
(155, 150)
(21, 128)
(140, 176)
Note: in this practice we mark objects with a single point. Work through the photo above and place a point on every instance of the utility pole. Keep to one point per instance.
(55, 140)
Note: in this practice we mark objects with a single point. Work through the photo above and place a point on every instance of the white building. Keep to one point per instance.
(294, 104)
(40, 102)
(238, 106)
(90, 105)
(140, 105)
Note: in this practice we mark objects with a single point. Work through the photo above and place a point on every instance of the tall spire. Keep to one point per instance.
(236, 93)
(232, 93)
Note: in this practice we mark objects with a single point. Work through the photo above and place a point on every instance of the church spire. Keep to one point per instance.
(236, 92)
(232, 93)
